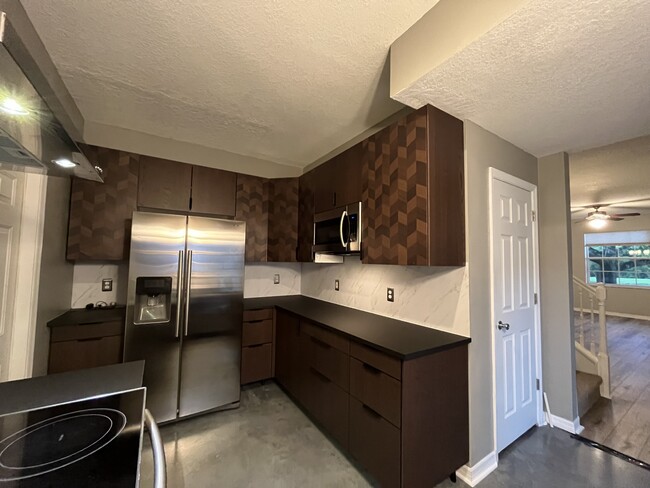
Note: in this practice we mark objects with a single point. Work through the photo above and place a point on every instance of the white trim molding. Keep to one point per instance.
(572, 427)
(473, 475)
(27, 283)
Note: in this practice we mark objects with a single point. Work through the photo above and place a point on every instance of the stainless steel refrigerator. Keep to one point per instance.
(184, 311)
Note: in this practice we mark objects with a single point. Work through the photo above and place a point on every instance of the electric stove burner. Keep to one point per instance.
(57, 442)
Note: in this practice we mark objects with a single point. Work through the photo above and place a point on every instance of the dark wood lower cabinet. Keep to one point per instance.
(375, 444)
(257, 346)
(404, 421)
(74, 347)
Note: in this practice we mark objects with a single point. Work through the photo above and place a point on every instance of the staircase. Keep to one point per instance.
(592, 352)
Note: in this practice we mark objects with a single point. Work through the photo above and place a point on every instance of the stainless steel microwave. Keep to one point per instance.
(338, 231)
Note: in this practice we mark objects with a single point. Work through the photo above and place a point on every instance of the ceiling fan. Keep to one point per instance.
(599, 214)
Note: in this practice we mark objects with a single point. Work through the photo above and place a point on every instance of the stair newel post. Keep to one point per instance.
(603, 352)
(592, 344)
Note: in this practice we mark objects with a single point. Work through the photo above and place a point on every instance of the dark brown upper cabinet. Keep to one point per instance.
(413, 192)
(338, 181)
(283, 220)
(253, 208)
(100, 213)
(306, 217)
(164, 184)
(270, 209)
(213, 191)
(179, 187)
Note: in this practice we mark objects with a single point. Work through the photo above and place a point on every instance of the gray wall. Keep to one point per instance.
(625, 301)
(55, 288)
(556, 297)
(483, 150)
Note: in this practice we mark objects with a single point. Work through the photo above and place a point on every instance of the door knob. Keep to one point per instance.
(503, 325)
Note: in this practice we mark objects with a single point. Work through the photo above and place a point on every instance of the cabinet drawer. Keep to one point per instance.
(257, 332)
(375, 443)
(84, 353)
(330, 362)
(329, 405)
(260, 314)
(389, 365)
(86, 331)
(328, 337)
(377, 390)
(256, 363)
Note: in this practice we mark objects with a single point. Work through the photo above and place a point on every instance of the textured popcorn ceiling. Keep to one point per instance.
(611, 174)
(558, 75)
(284, 80)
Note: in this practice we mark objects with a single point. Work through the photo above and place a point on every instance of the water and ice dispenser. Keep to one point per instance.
(153, 299)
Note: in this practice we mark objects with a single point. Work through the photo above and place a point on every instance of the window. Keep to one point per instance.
(624, 265)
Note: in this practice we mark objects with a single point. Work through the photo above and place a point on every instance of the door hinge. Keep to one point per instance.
(534, 216)
(535, 298)
(537, 383)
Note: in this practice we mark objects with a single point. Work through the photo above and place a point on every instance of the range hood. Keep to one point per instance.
(33, 102)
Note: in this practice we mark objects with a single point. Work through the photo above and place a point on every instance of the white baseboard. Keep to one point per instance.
(572, 427)
(473, 475)
(627, 315)
(620, 314)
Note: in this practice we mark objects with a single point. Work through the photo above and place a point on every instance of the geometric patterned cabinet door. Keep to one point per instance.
(270, 209)
(283, 220)
(100, 213)
(306, 217)
(252, 207)
(413, 192)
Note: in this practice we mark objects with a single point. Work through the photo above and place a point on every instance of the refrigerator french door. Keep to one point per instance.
(184, 311)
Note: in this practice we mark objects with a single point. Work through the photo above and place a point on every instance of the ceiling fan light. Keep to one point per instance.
(597, 223)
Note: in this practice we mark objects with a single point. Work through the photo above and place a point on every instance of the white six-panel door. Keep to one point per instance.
(514, 314)
(11, 204)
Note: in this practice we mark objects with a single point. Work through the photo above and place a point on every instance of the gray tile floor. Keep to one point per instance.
(269, 442)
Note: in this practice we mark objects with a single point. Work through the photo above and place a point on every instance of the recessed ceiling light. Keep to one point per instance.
(12, 107)
(64, 163)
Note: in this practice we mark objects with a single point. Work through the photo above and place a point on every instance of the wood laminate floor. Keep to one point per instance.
(623, 423)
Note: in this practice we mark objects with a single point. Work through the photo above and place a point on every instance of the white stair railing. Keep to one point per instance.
(596, 297)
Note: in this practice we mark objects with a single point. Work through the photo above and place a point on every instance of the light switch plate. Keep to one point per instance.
(276, 279)
(390, 294)
(336, 285)
(107, 284)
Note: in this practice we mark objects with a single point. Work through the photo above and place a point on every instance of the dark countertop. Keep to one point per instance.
(395, 337)
(53, 389)
(81, 316)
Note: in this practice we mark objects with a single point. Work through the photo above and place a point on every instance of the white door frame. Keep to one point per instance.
(495, 174)
(21, 357)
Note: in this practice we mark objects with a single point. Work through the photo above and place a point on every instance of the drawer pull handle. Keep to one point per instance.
(255, 321)
(321, 375)
(371, 369)
(90, 339)
(371, 411)
(254, 346)
(320, 343)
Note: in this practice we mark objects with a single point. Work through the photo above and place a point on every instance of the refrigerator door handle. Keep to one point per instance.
(188, 287)
(179, 292)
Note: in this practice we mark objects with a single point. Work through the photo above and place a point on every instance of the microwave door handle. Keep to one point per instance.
(179, 292)
(344, 216)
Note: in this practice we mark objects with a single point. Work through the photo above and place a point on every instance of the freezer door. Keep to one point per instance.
(157, 250)
(211, 350)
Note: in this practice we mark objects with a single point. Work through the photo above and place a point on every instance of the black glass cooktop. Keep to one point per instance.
(92, 442)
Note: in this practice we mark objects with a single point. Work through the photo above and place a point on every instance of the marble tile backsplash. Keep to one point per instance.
(87, 284)
(434, 297)
(259, 280)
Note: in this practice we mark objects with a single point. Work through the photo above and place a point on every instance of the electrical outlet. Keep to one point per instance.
(107, 284)
(390, 294)
(276, 279)
(336, 285)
